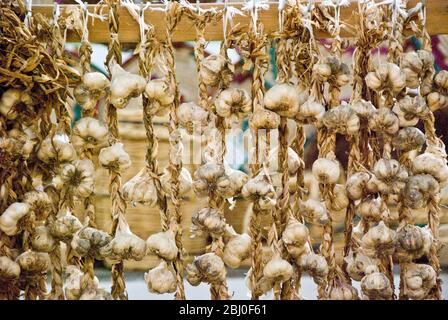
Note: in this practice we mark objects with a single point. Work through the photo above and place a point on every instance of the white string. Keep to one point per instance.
(253, 6)
(229, 13)
(29, 5)
(281, 7)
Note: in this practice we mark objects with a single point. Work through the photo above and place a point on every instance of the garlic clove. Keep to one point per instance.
(124, 86)
(11, 217)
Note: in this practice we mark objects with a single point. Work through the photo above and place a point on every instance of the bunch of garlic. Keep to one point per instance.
(357, 264)
(208, 220)
(390, 176)
(193, 118)
(260, 190)
(342, 119)
(314, 211)
(13, 219)
(141, 189)
(124, 86)
(56, 148)
(438, 98)
(161, 279)
(163, 244)
(124, 246)
(295, 237)
(410, 110)
(13, 98)
(237, 249)
(264, 119)
(277, 270)
(42, 240)
(419, 190)
(326, 170)
(413, 242)
(78, 176)
(333, 70)
(64, 226)
(89, 134)
(185, 181)
(160, 95)
(386, 77)
(408, 139)
(373, 209)
(379, 241)
(93, 87)
(429, 163)
(310, 112)
(73, 283)
(89, 242)
(208, 268)
(383, 120)
(416, 65)
(114, 157)
(376, 285)
(233, 103)
(285, 99)
(215, 70)
(419, 280)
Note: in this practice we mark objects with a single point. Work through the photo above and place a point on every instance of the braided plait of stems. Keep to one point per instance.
(395, 47)
(434, 222)
(173, 16)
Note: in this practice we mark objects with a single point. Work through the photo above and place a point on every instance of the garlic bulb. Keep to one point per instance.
(326, 171)
(42, 240)
(342, 119)
(209, 220)
(436, 101)
(12, 216)
(419, 279)
(39, 203)
(161, 279)
(310, 112)
(261, 287)
(89, 241)
(294, 161)
(409, 139)
(315, 265)
(89, 134)
(379, 241)
(33, 262)
(12, 98)
(236, 250)
(410, 110)
(376, 286)
(205, 178)
(278, 270)
(332, 70)
(124, 86)
(357, 265)
(340, 200)
(141, 189)
(214, 70)
(384, 121)
(314, 211)
(207, 268)
(343, 291)
(428, 163)
(413, 242)
(387, 76)
(185, 181)
(285, 99)
(233, 102)
(261, 191)
(419, 189)
(161, 96)
(56, 148)
(193, 118)
(64, 227)
(96, 294)
(415, 64)
(93, 87)
(124, 246)
(364, 109)
(264, 119)
(115, 157)
(231, 184)
(79, 176)
(391, 176)
(373, 209)
(19, 142)
(9, 270)
(294, 237)
(163, 244)
(73, 290)
(322, 71)
(359, 185)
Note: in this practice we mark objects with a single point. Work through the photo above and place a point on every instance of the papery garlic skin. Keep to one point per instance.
(387, 76)
(214, 70)
(64, 227)
(193, 118)
(89, 134)
(340, 200)
(314, 211)
(79, 176)
(379, 241)
(359, 185)
(160, 95)
(363, 109)
(357, 265)
(294, 161)
(124, 86)
(278, 270)
(428, 163)
(163, 244)
(263, 286)
(264, 119)
(310, 112)
(342, 119)
(40, 204)
(419, 279)
(9, 269)
(33, 262)
(285, 99)
(10, 99)
(384, 121)
(56, 148)
(96, 294)
(236, 250)
(206, 177)
(160, 279)
(419, 190)
(185, 181)
(409, 139)
(343, 291)
(124, 246)
(372, 209)
(141, 189)
(233, 102)
(9, 220)
(93, 87)
(315, 265)
(89, 241)
(410, 110)
(207, 268)
(391, 176)
(73, 283)
(413, 242)
(115, 157)
(326, 171)
(294, 237)
(210, 221)
(376, 286)
(261, 191)
(232, 183)
(42, 240)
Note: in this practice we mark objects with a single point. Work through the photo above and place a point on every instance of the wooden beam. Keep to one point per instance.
(437, 17)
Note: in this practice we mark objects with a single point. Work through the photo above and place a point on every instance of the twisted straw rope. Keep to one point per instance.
(434, 222)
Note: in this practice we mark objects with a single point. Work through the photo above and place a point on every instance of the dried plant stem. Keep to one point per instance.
(434, 222)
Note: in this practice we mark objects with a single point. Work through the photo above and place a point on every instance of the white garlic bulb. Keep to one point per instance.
(315, 265)
(124, 86)
(419, 190)
(73, 287)
(387, 76)
(95, 294)
(9, 269)
(11, 217)
(141, 189)
(215, 69)
(326, 171)
(294, 161)
(264, 119)
(294, 237)
(231, 184)
(340, 200)
(285, 99)
(42, 240)
(413, 242)
(364, 109)
(115, 157)
(40, 204)
(206, 176)
(342, 119)
(409, 139)
(263, 286)
(193, 118)
(310, 112)
(163, 244)
(161, 96)
(383, 120)
(89, 241)
(12, 98)
(33, 262)
(261, 191)
(233, 102)
(428, 163)
(161, 279)
(419, 279)
(64, 227)
(89, 134)
(391, 176)
(314, 211)
(343, 291)
(376, 286)
(93, 87)
(379, 241)
(359, 185)
(209, 220)
(278, 270)
(410, 110)
(185, 181)
(79, 176)
(237, 249)
(56, 148)
(207, 268)
(372, 209)
(357, 265)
